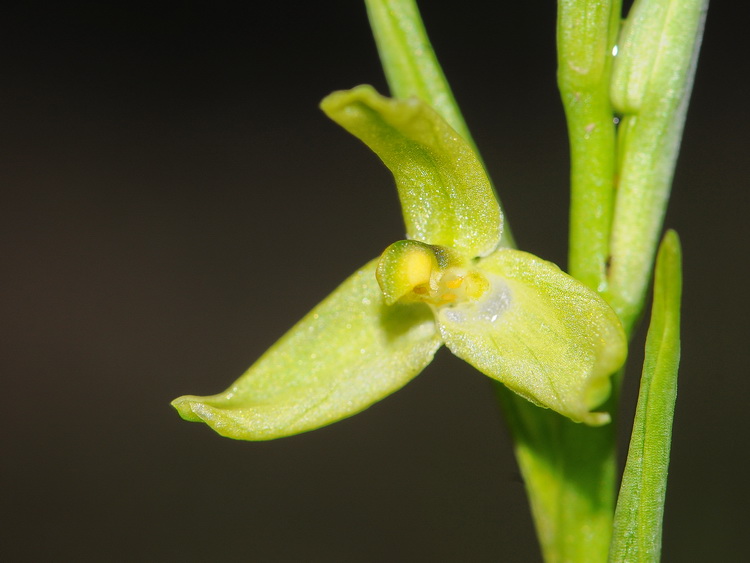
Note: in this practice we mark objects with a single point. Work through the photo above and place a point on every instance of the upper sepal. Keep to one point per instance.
(446, 196)
(346, 354)
(542, 333)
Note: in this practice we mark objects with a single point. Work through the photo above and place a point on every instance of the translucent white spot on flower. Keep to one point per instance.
(488, 308)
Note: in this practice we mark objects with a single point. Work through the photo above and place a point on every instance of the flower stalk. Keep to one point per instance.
(554, 344)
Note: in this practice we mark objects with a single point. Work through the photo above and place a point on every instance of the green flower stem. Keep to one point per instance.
(412, 69)
(651, 83)
(570, 469)
(586, 34)
(640, 506)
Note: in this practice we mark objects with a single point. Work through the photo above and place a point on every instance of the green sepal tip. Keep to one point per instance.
(446, 196)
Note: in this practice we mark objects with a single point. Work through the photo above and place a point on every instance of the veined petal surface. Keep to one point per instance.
(346, 354)
(542, 333)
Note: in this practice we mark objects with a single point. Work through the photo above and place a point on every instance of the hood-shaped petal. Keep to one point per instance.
(445, 194)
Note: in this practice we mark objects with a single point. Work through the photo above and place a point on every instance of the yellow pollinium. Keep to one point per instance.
(458, 284)
(416, 271)
(411, 271)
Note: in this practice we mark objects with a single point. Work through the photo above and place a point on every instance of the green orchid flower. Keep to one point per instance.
(511, 315)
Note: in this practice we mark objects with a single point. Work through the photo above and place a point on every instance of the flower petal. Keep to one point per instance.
(542, 333)
(346, 354)
(446, 196)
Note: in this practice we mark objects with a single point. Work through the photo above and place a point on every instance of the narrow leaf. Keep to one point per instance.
(348, 353)
(540, 332)
(445, 194)
(640, 506)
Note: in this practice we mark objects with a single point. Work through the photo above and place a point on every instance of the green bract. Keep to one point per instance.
(513, 316)
(640, 505)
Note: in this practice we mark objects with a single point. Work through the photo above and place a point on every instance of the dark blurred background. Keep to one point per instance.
(172, 201)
